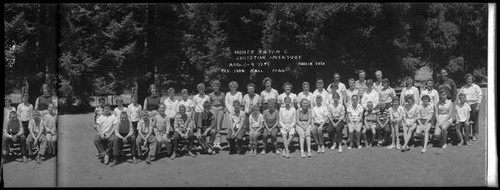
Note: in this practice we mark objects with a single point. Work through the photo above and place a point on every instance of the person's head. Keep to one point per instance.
(8, 101)
(382, 105)
(409, 82)
(385, 82)
(107, 109)
(46, 92)
(426, 99)
(216, 85)
(134, 99)
(430, 84)
(334, 87)
(409, 99)
(161, 108)
(319, 100)
(236, 105)
(255, 109)
(233, 86)
(395, 102)
(206, 105)
(305, 86)
(267, 82)
(443, 95)
(36, 115)
(201, 88)
(287, 87)
(171, 92)
(13, 116)
(288, 101)
(319, 84)
(444, 73)
(304, 104)
(163, 92)
(101, 102)
(123, 116)
(271, 104)
(378, 74)
(469, 79)
(352, 83)
(119, 102)
(144, 115)
(25, 98)
(462, 98)
(336, 77)
(185, 94)
(251, 88)
(50, 108)
(354, 99)
(369, 105)
(369, 85)
(54, 92)
(182, 109)
(336, 97)
(362, 74)
(153, 90)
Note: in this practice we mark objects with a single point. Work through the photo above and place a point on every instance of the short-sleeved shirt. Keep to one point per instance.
(320, 114)
(426, 112)
(98, 112)
(35, 127)
(396, 113)
(356, 113)
(386, 95)
(171, 107)
(324, 97)
(49, 122)
(106, 124)
(237, 119)
(270, 118)
(217, 100)
(373, 96)
(433, 95)
(303, 117)
(198, 102)
(383, 115)
(43, 102)
(250, 101)
(229, 99)
(463, 112)
(255, 124)
(378, 87)
(341, 87)
(25, 112)
(309, 96)
(287, 116)
(412, 113)
(183, 124)
(361, 86)
(337, 112)
(444, 109)
(189, 104)
(134, 112)
(371, 116)
(349, 94)
(207, 119)
(412, 91)
(152, 103)
(117, 111)
(473, 94)
(268, 95)
(281, 98)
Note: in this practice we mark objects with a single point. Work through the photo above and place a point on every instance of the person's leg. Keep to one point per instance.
(358, 134)
(363, 135)
(274, 138)
(396, 129)
(5, 145)
(458, 129)
(350, 130)
(338, 137)
(134, 126)
(331, 134)
(43, 145)
(239, 139)
(444, 128)
(231, 140)
(26, 128)
(387, 134)
(133, 147)
(117, 146)
(474, 116)
(29, 145)
(139, 141)
(467, 132)
(427, 128)
(405, 135)
(284, 135)
(374, 133)
(99, 144)
(190, 140)
(265, 135)
(22, 141)
(321, 143)
(153, 143)
(308, 139)
(302, 137)
(314, 133)
(410, 133)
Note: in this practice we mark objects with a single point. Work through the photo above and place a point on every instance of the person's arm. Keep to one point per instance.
(131, 130)
(265, 122)
(479, 93)
(140, 125)
(227, 104)
(117, 132)
(36, 103)
(294, 116)
(21, 131)
(298, 122)
(281, 116)
(453, 91)
(31, 126)
(40, 133)
(401, 97)
(342, 115)
(378, 121)
(145, 103)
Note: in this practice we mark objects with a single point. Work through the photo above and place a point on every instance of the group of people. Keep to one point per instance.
(34, 128)
(368, 108)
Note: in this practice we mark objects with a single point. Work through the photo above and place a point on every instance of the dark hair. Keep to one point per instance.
(426, 97)
(265, 81)
(251, 85)
(216, 83)
(106, 105)
(469, 75)
(287, 83)
(387, 81)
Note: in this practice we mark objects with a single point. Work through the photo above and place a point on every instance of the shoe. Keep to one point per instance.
(114, 163)
(423, 150)
(283, 153)
(474, 138)
(135, 160)
(25, 160)
(37, 159)
(287, 155)
(460, 143)
(106, 159)
(349, 147)
(333, 146)
(303, 154)
(217, 146)
(398, 146)
(148, 160)
(340, 149)
(444, 146)
(173, 156)
(191, 154)
(390, 147)
(360, 146)
(263, 152)
(309, 154)
(323, 149)
(277, 151)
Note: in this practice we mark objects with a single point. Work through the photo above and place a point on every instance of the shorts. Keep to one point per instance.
(288, 130)
(370, 125)
(410, 122)
(440, 118)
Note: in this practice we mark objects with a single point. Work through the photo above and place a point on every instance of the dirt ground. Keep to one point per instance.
(377, 166)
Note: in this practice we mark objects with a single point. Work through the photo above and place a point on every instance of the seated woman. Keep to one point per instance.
(36, 139)
(256, 123)
(444, 111)
(410, 116)
(320, 115)
(303, 127)
(271, 118)
(337, 117)
(287, 124)
(163, 130)
(145, 136)
(354, 121)
(426, 112)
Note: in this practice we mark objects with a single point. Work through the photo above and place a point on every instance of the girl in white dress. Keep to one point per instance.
(396, 118)
(444, 111)
(410, 116)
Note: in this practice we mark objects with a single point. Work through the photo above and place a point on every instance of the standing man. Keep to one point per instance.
(105, 129)
(341, 88)
(43, 101)
(448, 85)
(361, 83)
(378, 85)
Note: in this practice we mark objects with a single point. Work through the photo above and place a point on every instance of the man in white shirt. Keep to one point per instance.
(321, 92)
(171, 105)
(134, 113)
(378, 84)
(288, 93)
(105, 129)
(370, 95)
(361, 83)
(341, 86)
